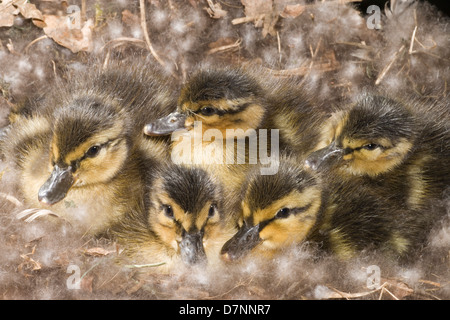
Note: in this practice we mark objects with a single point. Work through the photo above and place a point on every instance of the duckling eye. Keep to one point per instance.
(283, 213)
(93, 151)
(168, 211)
(207, 111)
(371, 146)
(212, 211)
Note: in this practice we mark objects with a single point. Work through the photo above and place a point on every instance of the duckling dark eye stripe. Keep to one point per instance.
(101, 146)
(238, 109)
(300, 210)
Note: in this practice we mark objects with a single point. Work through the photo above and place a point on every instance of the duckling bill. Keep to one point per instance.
(56, 187)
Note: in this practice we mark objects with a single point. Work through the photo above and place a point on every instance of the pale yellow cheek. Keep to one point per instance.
(168, 236)
(189, 122)
(102, 168)
(284, 233)
(373, 155)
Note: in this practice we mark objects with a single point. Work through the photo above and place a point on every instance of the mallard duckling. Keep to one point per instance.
(294, 207)
(238, 99)
(185, 222)
(400, 149)
(235, 117)
(82, 150)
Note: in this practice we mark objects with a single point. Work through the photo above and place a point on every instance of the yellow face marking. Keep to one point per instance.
(103, 166)
(250, 118)
(280, 233)
(97, 139)
(166, 227)
(376, 161)
(163, 225)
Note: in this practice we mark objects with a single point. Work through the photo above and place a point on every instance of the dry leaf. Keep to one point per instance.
(215, 10)
(11, 8)
(7, 13)
(292, 10)
(86, 283)
(270, 21)
(28, 10)
(256, 8)
(398, 288)
(129, 18)
(29, 263)
(74, 39)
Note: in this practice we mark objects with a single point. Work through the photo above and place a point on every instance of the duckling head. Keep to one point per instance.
(373, 137)
(186, 213)
(278, 211)
(219, 98)
(90, 145)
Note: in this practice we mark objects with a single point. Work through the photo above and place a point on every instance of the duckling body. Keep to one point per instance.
(233, 118)
(295, 206)
(400, 149)
(185, 222)
(81, 151)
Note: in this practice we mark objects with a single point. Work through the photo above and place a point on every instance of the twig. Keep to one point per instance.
(413, 37)
(106, 62)
(345, 295)
(34, 41)
(83, 11)
(388, 66)
(226, 47)
(146, 36)
(436, 284)
(11, 198)
(385, 289)
(149, 265)
(54, 68)
(279, 46)
(119, 41)
(247, 19)
(356, 44)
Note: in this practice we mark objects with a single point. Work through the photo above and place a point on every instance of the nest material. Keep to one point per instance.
(327, 44)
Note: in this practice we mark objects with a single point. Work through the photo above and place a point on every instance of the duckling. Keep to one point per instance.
(82, 151)
(398, 148)
(296, 206)
(236, 105)
(185, 222)
(241, 99)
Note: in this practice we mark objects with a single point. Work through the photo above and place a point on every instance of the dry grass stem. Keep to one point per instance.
(389, 65)
(146, 35)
